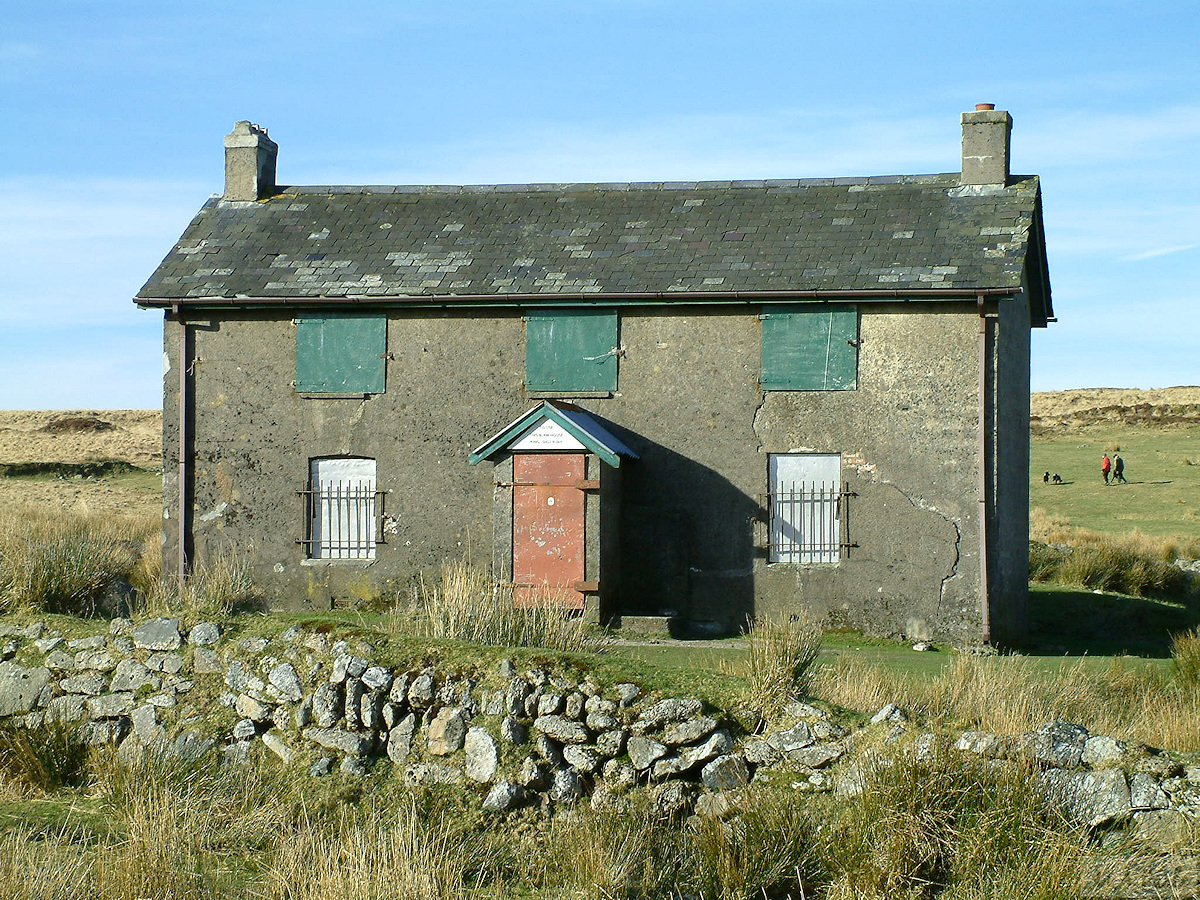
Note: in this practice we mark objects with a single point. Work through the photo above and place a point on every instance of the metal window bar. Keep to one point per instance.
(808, 522)
(344, 520)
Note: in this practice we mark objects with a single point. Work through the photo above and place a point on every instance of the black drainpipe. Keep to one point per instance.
(184, 446)
(985, 600)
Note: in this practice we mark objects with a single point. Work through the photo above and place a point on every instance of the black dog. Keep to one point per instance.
(1057, 478)
(1046, 478)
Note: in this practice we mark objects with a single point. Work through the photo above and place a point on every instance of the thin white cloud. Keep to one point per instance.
(1157, 252)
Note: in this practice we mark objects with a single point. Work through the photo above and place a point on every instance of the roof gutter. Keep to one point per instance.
(607, 298)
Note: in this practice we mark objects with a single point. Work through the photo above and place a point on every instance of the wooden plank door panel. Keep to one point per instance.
(548, 530)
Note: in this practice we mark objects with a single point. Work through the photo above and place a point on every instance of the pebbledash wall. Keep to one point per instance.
(688, 403)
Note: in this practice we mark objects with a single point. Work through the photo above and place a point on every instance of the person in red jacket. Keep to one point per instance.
(1105, 467)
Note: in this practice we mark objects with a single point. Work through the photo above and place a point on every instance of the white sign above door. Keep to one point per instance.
(546, 435)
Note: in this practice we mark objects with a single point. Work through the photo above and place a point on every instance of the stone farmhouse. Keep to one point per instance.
(696, 400)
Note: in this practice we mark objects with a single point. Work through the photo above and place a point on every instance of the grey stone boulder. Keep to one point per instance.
(795, 738)
(370, 710)
(574, 705)
(513, 731)
(619, 776)
(398, 692)
(1100, 751)
(504, 797)
(628, 693)
(347, 666)
(67, 708)
(597, 721)
(93, 660)
(688, 732)
(561, 729)
(205, 634)
(533, 775)
(665, 711)
(611, 743)
(147, 729)
(110, 706)
(565, 786)
(644, 752)
(355, 766)
(1091, 799)
(158, 634)
(447, 732)
(377, 678)
(1145, 792)
(818, 756)
(239, 678)
(321, 768)
(107, 731)
(244, 730)
(760, 753)
(130, 675)
(422, 691)
(347, 742)
(550, 704)
(399, 739)
(168, 663)
(584, 760)
(725, 773)
(285, 680)
(515, 695)
(327, 704)
(1057, 744)
(480, 757)
(889, 712)
(355, 691)
(92, 642)
(249, 708)
(91, 684)
(59, 660)
(718, 743)
(983, 743)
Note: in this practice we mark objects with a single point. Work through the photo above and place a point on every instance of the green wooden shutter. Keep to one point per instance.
(571, 350)
(810, 349)
(341, 354)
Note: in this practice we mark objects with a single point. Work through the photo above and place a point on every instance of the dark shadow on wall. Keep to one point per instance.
(687, 539)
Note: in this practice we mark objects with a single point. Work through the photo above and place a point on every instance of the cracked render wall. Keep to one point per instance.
(691, 518)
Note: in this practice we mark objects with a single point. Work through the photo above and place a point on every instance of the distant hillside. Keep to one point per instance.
(1055, 411)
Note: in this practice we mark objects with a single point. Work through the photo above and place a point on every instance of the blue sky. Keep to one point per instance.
(114, 114)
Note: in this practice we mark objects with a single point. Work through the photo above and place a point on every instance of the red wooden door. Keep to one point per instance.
(548, 536)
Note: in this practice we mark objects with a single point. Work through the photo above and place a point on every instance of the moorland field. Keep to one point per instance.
(1115, 649)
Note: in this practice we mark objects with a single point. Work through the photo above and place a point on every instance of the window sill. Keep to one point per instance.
(337, 561)
(569, 395)
(319, 395)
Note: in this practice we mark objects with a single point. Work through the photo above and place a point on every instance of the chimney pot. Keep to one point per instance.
(986, 134)
(250, 157)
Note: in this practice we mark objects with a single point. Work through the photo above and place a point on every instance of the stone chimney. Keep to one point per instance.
(985, 145)
(250, 163)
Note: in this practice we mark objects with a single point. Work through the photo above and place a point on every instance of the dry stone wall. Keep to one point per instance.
(515, 736)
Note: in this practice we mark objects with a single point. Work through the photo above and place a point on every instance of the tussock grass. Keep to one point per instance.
(947, 825)
(467, 606)
(780, 654)
(215, 590)
(1006, 695)
(42, 758)
(1185, 653)
(1135, 564)
(409, 857)
(65, 562)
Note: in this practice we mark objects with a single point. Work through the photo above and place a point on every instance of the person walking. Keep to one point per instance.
(1118, 471)
(1105, 467)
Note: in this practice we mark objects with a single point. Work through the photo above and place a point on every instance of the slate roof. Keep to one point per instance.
(381, 243)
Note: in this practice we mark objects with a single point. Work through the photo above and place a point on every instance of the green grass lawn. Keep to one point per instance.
(1163, 495)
